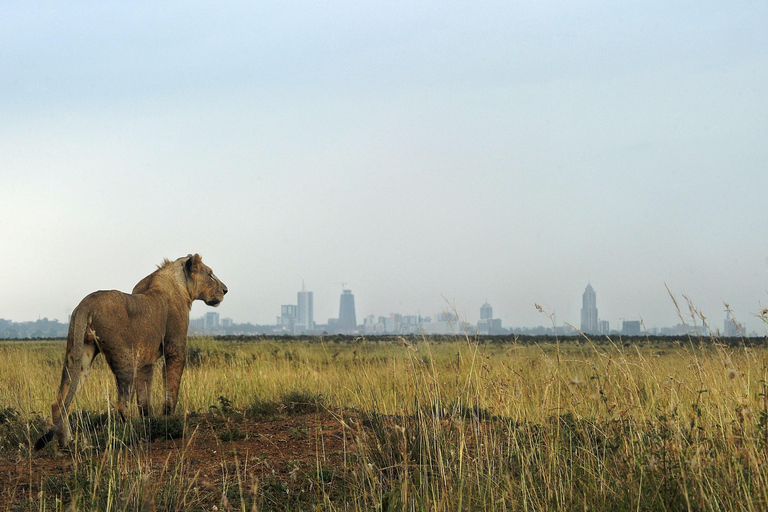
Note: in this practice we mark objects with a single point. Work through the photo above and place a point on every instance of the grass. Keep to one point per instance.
(451, 425)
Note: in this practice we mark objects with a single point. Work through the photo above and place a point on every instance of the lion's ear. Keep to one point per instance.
(193, 263)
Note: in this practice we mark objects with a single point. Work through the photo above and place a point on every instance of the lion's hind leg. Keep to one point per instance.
(70, 381)
(144, 378)
(124, 393)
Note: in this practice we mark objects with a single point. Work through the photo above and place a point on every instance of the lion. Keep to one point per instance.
(133, 331)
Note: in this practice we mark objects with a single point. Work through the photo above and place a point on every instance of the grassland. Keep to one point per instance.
(413, 424)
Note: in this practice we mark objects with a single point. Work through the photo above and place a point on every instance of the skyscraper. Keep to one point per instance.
(732, 327)
(287, 318)
(486, 311)
(305, 312)
(347, 319)
(589, 323)
(211, 321)
(488, 324)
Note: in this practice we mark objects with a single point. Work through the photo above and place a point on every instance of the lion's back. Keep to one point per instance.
(113, 311)
(104, 301)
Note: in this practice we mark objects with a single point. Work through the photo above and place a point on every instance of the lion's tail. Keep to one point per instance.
(70, 377)
(45, 439)
(74, 361)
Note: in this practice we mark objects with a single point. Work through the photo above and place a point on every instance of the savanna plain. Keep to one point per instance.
(403, 423)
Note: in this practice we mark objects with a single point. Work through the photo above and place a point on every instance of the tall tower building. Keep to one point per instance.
(347, 319)
(589, 323)
(486, 311)
(305, 309)
(287, 318)
(211, 321)
(733, 328)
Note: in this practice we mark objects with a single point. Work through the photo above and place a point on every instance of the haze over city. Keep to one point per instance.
(425, 156)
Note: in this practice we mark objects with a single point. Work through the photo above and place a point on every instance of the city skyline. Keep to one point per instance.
(449, 322)
(299, 318)
(443, 323)
(591, 323)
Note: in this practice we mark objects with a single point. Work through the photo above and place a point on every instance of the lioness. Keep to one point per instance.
(133, 331)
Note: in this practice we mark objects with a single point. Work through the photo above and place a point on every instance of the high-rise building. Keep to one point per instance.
(305, 301)
(631, 328)
(732, 327)
(486, 311)
(589, 323)
(287, 318)
(211, 321)
(347, 318)
(488, 324)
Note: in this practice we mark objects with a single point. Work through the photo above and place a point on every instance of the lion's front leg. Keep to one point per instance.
(174, 367)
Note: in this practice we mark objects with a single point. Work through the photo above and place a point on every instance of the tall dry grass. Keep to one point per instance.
(460, 425)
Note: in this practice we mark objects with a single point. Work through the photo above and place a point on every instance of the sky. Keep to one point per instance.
(428, 156)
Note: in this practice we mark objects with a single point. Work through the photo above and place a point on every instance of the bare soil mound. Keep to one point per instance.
(273, 462)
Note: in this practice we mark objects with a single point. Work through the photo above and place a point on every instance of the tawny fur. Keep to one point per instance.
(133, 331)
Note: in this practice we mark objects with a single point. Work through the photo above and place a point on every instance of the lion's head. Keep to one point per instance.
(202, 282)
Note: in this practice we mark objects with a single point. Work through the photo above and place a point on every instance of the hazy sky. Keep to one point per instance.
(426, 154)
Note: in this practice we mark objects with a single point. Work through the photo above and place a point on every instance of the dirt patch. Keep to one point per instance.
(216, 453)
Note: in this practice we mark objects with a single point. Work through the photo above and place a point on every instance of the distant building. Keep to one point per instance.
(412, 321)
(631, 328)
(732, 328)
(393, 324)
(287, 319)
(211, 321)
(196, 325)
(447, 323)
(488, 324)
(443, 326)
(677, 330)
(369, 325)
(347, 318)
(305, 312)
(206, 324)
(486, 311)
(589, 323)
(605, 327)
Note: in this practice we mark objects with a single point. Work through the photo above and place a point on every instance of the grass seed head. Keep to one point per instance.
(746, 413)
